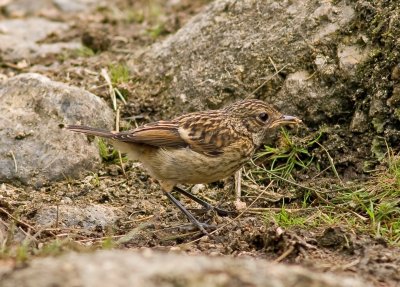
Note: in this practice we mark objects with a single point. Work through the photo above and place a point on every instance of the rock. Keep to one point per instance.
(19, 38)
(24, 8)
(34, 149)
(91, 217)
(359, 122)
(234, 48)
(151, 269)
(351, 56)
(301, 91)
(197, 188)
(74, 5)
(395, 75)
(394, 100)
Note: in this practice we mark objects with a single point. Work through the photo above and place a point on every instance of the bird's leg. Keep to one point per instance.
(238, 184)
(190, 216)
(240, 205)
(203, 203)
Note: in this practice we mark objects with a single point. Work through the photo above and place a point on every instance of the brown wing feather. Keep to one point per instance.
(176, 133)
(206, 133)
(201, 132)
(160, 134)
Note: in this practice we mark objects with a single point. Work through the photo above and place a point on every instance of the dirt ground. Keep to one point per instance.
(149, 220)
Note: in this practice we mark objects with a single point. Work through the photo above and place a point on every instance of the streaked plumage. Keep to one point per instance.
(198, 147)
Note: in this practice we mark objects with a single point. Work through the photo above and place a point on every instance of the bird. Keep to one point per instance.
(198, 147)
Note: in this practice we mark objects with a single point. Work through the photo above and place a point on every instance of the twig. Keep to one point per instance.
(267, 80)
(106, 77)
(57, 215)
(132, 234)
(15, 161)
(16, 219)
(331, 163)
(117, 118)
(285, 254)
(273, 64)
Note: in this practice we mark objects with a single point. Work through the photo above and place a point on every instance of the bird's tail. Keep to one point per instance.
(90, 131)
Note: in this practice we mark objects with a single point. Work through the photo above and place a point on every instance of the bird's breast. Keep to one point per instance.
(183, 165)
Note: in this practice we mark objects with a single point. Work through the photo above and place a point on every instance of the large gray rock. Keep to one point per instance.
(234, 47)
(20, 38)
(123, 268)
(34, 148)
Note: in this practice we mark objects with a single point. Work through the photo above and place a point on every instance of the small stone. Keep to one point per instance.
(240, 205)
(359, 122)
(66, 200)
(197, 188)
(350, 56)
(394, 100)
(396, 72)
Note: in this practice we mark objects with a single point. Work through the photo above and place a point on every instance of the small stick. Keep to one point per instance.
(267, 80)
(106, 77)
(15, 161)
(57, 215)
(117, 118)
(16, 219)
(285, 254)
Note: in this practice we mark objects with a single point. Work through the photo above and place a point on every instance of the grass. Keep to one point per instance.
(285, 218)
(290, 155)
(379, 199)
(83, 52)
(157, 30)
(372, 206)
(108, 153)
(119, 73)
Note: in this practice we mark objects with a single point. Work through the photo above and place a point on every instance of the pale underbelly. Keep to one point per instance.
(183, 165)
(187, 166)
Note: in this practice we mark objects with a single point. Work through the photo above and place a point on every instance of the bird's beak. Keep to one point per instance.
(286, 120)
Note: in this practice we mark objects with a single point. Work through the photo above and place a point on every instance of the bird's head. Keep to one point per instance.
(259, 118)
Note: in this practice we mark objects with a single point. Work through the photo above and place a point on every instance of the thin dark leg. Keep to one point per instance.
(203, 203)
(178, 204)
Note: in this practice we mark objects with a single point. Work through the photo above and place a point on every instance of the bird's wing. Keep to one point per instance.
(203, 133)
(206, 133)
(200, 138)
(159, 134)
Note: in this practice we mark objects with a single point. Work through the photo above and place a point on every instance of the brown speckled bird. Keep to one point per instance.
(198, 147)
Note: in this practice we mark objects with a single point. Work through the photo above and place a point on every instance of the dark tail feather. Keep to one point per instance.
(90, 131)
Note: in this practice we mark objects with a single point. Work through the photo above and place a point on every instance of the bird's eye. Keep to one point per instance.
(263, 117)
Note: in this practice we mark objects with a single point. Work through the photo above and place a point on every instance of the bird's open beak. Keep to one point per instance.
(286, 120)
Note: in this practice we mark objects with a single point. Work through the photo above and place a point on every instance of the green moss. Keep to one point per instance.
(157, 31)
(378, 148)
(378, 125)
(119, 73)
